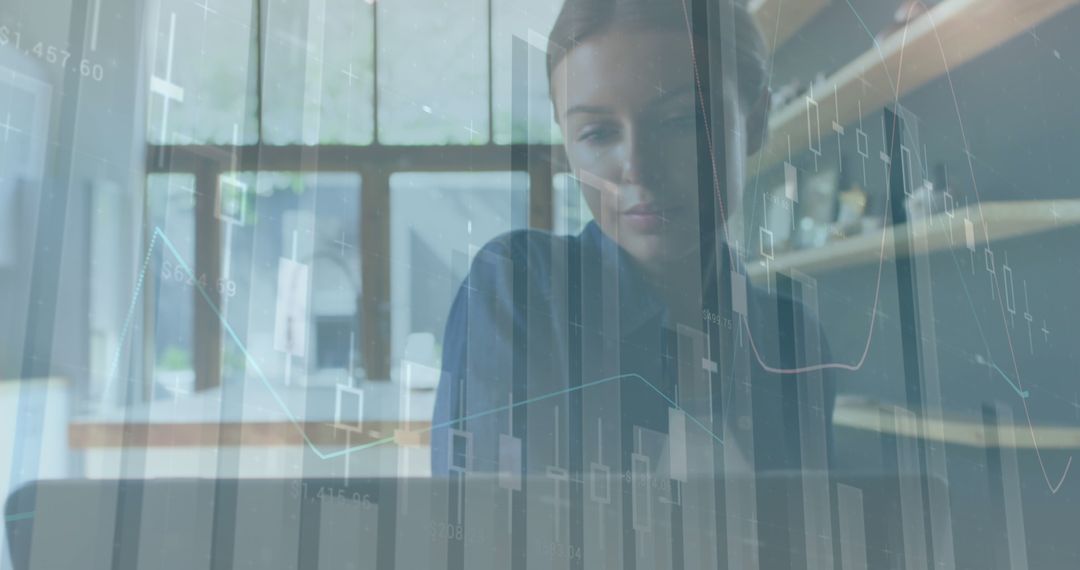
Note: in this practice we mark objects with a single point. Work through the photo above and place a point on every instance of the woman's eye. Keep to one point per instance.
(597, 135)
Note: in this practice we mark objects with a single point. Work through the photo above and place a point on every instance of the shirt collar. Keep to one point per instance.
(639, 302)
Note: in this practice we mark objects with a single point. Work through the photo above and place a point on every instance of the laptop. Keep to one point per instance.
(557, 521)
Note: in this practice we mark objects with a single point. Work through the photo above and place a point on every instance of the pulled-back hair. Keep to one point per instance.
(581, 19)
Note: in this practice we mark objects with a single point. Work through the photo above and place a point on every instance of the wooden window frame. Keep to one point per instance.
(375, 164)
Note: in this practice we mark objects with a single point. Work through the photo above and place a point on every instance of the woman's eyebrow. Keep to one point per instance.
(666, 96)
(588, 109)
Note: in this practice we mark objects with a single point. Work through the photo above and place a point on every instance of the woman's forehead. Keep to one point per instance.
(638, 65)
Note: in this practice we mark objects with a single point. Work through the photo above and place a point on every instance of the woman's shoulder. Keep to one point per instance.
(531, 248)
(537, 257)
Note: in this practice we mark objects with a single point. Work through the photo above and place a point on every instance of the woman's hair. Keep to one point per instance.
(580, 19)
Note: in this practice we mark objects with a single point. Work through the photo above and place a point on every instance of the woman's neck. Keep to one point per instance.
(679, 285)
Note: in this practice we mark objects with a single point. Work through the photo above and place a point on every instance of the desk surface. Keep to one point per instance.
(256, 414)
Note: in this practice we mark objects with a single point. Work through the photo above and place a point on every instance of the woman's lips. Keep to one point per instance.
(647, 217)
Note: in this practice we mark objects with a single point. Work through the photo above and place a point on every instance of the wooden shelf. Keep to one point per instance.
(1001, 220)
(861, 414)
(966, 29)
(794, 15)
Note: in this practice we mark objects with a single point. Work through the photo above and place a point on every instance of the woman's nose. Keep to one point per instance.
(637, 159)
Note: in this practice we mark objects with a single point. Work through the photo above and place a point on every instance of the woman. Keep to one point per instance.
(577, 354)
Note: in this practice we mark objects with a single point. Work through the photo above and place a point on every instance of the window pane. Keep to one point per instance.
(296, 226)
(202, 75)
(433, 72)
(526, 25)
(318, 81)
(172, 212)
(272, 224)
(438, 222)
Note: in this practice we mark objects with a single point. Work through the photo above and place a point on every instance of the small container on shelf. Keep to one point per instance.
(817, 208)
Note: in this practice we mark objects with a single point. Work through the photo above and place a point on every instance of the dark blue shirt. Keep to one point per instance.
(560, 357)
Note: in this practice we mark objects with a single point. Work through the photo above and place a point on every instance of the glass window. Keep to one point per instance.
(438, 221)
(294, 252)
(318, 75)
(433, 72)
(288, 283)
(202, 74)
(172, 212)
(525, 25)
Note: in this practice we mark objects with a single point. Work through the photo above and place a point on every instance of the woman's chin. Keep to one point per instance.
(655, 249)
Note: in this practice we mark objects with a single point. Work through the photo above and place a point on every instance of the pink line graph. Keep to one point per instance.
(1004, 321)
(1054, 488)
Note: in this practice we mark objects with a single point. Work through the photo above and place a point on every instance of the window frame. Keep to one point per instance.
(374, 163)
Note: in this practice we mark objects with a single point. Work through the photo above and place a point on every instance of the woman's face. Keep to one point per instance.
(626, 100)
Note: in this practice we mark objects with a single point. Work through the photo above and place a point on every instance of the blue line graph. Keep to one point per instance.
(1022, 393)
(159, 235)
(19, 516)
(131, 313)
(1019, 392)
